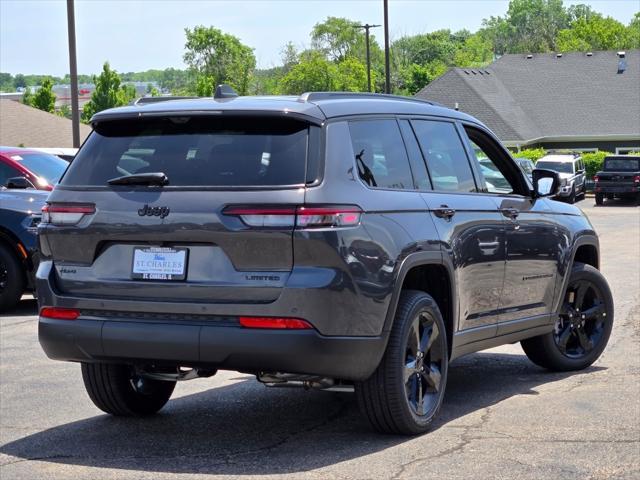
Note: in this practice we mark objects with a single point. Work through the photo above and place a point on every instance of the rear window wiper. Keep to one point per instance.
(151, 178)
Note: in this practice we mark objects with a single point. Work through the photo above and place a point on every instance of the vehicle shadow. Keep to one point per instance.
(26, 307)
(245, 428)
(618, 202)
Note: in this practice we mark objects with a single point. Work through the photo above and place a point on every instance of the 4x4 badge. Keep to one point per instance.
(153, 211)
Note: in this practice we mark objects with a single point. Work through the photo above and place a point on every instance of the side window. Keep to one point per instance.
(493, 177)
(500, 173)
(445, 155)
(380, 154)
(7, 172)
(418, 168)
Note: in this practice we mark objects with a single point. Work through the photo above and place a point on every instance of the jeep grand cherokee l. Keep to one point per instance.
(333, 241)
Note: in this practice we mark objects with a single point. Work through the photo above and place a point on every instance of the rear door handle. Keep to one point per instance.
(511, 213)
(444, 212)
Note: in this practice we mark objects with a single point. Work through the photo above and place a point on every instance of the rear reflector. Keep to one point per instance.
(66, 213)
(298, 217)
(59, 313)
(274, 322)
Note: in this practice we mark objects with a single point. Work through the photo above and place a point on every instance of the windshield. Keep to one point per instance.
(195, 151)
(42, 165)
(619, 164)
(560, 167)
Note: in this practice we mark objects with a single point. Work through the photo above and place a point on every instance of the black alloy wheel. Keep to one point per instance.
(583, 325)
(4, 277)
(580, 327)
(405, 392)
(12, 278)
(423, 365)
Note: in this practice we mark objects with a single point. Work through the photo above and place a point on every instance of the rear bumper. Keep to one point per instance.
(222, 347)
(617, 189)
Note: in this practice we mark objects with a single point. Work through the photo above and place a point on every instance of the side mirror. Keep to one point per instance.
(546, 183)
(19, 182)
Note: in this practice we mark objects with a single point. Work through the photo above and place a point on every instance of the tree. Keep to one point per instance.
(314, 73)
(580, 12)
(27, 96)
(595, 32)
(64, 111)
(351, 76)
(476, 51)
(337, 37)
(108, 93)
(44, 98)
(220, 56)
(528, 26)
(340, 39)
(634, 31)
(19, 81)
(6, 82)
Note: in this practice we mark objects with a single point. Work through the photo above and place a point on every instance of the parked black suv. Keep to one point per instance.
(619, 177)
(331, 241)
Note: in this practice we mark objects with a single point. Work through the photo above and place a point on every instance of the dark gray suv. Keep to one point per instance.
(332, 241)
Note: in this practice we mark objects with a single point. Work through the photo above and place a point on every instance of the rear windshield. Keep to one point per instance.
(195, 151)
(560, 167)
(43, 165)
(620, 164)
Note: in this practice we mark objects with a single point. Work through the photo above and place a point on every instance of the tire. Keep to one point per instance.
(12, 279)
(581, 334)
(572, 196)
(414, 366)
(111, 388)
(599, 198)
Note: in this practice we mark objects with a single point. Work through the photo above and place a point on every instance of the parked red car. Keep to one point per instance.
(41, 170)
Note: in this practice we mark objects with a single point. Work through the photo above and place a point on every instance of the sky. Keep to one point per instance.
(136, 35)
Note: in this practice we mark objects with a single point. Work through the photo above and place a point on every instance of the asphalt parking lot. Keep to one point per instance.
(503, 417)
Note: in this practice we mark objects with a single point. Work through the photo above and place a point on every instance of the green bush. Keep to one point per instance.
(533, 154)
(594, 161)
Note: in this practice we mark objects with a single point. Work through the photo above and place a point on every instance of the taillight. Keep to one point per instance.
(264, 217)
(334, 216)
(275, 323)
(58, 313)
(636, 179)
(319, 217)
(596, 178)
(66, 213)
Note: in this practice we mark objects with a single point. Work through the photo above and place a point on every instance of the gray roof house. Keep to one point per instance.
(580, 101)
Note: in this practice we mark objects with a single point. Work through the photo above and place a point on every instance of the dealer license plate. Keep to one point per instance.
(159, 263)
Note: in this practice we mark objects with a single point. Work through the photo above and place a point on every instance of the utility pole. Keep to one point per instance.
(387, 73)
(367, 27)
(73, 73)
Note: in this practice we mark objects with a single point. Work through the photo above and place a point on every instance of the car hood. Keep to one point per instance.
(27, 200)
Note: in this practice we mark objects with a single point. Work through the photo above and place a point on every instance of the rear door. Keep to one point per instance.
(215, 233)
(470, 228)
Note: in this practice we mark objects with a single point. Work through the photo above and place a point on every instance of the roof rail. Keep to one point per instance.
(318, 96)
(164, 98)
